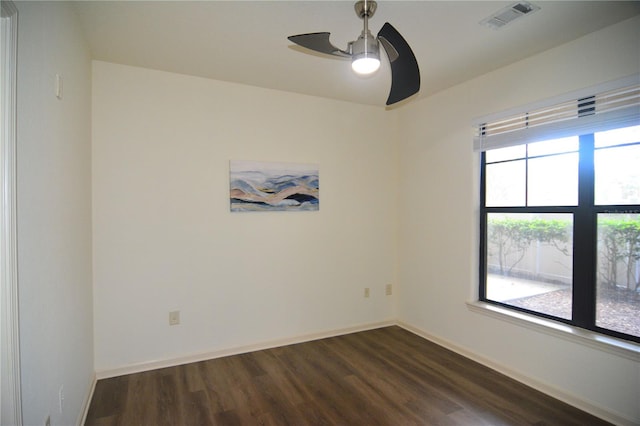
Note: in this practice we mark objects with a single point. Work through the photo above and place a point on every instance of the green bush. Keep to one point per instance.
(514, 236)
(619, 241)
(618, 244)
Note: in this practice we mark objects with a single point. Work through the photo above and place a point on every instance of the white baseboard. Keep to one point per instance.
(87, 402)
(172, 362)
(536, 384)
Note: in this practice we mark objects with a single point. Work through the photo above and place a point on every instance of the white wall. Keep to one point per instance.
(164, 238)
(438, 247)
(54, 214)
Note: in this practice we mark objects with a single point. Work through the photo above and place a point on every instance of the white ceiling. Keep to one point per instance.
(246, 41)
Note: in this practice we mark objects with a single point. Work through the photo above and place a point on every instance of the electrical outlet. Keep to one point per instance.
(366, 292)
(174, 317)
(47, 421)
(388, 290)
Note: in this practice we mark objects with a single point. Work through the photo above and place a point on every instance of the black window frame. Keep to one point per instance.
(585, 239)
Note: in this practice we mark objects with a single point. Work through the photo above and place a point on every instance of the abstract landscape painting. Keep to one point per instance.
(262, 186)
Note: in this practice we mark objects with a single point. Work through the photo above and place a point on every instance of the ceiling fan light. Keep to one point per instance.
(365, 65)
(364, 51)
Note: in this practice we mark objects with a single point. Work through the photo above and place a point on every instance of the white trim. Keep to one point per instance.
(621, 348)
(87, 402)
(172, 362)
(545, 388)
(11, 405)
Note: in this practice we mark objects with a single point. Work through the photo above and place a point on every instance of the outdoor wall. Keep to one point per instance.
(438, 240)
(54, 214)
(164, 238)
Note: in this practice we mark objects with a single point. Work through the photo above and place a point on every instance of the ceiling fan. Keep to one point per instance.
(365, 53)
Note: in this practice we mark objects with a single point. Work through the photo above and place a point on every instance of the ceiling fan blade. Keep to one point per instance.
(405, 74)
(318, 42)
(392, 53)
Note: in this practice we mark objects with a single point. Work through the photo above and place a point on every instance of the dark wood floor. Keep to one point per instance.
(386, 376)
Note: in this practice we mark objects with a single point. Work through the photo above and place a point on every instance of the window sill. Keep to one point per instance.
(608, 344)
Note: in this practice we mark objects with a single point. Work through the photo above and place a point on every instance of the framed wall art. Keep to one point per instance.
(271, 186)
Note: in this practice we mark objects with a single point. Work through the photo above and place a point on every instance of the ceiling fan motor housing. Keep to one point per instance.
(364, 47)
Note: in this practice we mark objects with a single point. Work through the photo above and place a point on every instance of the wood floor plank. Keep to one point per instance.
(322, 382)
(385, 377)
(227, 418)
(282, 377)
(142, 389)
(220, 400)
(466, 388)
(109, 398)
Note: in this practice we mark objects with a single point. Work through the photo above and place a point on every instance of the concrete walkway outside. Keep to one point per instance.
(502, 289)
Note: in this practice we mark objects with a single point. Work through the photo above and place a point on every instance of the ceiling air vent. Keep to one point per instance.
(509, 14)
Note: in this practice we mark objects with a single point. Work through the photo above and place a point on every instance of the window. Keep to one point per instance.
(560, 219)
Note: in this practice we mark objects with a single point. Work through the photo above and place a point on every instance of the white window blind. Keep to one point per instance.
(605, 107)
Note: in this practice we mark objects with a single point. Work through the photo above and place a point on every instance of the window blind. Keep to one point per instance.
(605, 107)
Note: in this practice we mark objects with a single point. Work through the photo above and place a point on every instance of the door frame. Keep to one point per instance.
(10, 390)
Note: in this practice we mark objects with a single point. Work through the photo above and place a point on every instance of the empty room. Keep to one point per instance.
(215, 213)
